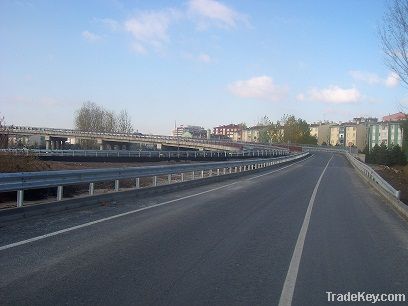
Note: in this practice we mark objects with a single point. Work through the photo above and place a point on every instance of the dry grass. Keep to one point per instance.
(397, 176)
(26, 163)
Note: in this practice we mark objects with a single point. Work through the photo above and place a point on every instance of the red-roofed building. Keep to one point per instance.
(395, 117)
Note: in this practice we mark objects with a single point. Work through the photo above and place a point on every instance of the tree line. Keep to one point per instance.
(288, 129)
(385, 155)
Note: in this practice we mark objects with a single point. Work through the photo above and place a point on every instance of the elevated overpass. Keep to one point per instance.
(56, 137)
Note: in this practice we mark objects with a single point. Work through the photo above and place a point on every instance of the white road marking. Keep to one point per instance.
(69, 229)
(290, 281)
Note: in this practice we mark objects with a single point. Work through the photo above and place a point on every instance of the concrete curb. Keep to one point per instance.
(12, 214)
(400, 207)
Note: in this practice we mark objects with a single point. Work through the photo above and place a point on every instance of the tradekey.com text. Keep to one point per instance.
(362, 296)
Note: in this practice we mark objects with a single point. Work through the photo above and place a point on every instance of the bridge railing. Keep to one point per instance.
(123, 136)
(47, 179)
(149, 154)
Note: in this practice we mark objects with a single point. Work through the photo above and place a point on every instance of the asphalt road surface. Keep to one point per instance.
(284, 236)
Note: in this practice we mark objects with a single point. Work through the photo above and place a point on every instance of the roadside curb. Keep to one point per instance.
(13, 214)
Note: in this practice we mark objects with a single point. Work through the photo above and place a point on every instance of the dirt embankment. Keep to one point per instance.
(397, 176)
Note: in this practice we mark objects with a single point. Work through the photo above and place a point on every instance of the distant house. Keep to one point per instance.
(190, 131)
(227, 130)
(248, 134)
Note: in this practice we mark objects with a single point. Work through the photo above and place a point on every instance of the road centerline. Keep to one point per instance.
(290, 280)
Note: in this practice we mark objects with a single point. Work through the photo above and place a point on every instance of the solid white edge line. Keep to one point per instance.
(290, 280)
(12, 245)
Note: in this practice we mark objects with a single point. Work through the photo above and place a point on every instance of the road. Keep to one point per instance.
(237, 242)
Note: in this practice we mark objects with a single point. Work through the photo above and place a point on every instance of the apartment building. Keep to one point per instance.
(251, 134)
(349, 134)
(386, 132)
(190, 131)
(334, 135)
(356, 136)
(321, 131)
(227, 130)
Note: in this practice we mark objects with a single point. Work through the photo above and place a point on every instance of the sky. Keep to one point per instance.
(194, 62)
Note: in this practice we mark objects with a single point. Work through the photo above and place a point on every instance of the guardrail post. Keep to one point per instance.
(20, 198)
(154, 181)
(182, 177)
(137, 183)
(116, 185)
(169, 178)
(218, 171)
(91, 188)
(224, 171)
(60, 192)
(202, 173)
(193, 177)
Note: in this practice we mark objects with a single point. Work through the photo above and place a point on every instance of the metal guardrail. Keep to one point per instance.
(149, 154)
(372, 175)
(330, 149)
(46, 179)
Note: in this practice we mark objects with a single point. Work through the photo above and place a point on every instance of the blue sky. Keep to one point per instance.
(198, 62)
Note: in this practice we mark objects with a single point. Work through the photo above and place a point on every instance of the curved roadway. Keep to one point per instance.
(229, 243)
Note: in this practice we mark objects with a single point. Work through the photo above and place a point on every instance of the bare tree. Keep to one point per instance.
(124, 122)
(94, 118)
(394, 38)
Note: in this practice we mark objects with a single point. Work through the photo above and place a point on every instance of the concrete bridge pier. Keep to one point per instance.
(112, 145)
(101, 143)
(55, 143)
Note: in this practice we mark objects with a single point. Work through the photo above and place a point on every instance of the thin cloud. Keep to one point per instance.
(331, 95)
(209, 12)
(367, 77)
(392, 80)
(204, 58)
(150, 29)
(261, 87)
(109, 23)
(90, 37)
